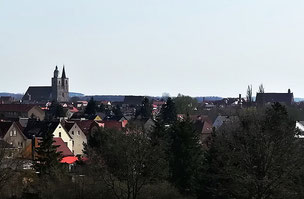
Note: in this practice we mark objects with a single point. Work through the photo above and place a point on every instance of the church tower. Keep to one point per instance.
(60, 86)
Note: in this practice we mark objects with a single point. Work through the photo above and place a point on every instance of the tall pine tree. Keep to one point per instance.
(185, 156)
(168, 112)
(48, 159)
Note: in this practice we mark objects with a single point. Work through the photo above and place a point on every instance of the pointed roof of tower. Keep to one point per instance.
(63, 72)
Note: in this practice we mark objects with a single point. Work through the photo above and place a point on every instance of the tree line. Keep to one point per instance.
(255, 156)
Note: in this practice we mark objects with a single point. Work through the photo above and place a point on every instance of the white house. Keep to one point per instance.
(60, 132)
(77, 135)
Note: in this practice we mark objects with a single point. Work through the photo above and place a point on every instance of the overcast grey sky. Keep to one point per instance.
(147, 47)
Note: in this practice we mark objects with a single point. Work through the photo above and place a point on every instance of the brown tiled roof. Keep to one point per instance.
(86, 125)
(16, 107)
(68, 125)
(62, 147)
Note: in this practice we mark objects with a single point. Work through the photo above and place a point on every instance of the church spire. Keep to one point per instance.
(63, 73)
(56, 72)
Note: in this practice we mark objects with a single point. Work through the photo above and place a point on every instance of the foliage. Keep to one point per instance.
(255, 157)
(128, 160)
(117, 111)
(261, 89)
(185, 104)
(48, 159)
(145, 111)
(91, 107)
(168, 112)
(185, 156)
(55, 111)
(249, 95)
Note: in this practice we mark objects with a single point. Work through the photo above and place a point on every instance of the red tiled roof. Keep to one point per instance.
(65, 151)
(112, 124)
(16, 107)
(69, 160)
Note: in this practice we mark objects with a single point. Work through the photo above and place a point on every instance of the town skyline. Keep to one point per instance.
(194, 48)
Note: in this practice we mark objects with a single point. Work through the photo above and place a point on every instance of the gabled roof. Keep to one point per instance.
(133, 100)
(263, 98)
(4, 127)
(112, 124)
(38, 93)
(86, 125)
(62, 147)
(68, 125)
(16, 107)
(39, 128)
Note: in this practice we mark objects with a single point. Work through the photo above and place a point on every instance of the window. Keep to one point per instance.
(14, 133)
(72, 143)
(78, 133)
(11, 133)
(60, 134)
(72, 132)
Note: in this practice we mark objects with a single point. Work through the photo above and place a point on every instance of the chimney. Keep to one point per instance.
(289, 90)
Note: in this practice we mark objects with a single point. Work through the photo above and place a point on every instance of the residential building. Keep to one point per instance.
(78, 137)
(16, 111)
(268, 98)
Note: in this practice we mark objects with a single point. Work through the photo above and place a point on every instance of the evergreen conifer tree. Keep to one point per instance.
(48, 159)
(168, 112)
(185, 156)
(91, 107)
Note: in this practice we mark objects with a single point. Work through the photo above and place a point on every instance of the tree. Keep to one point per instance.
(185, 156)
(91, 107)
(256, 157)
(168, 113)
(117, 111)
(48, 159)
(249, 95)
(145, 110)
(261, 89)
(126, 162)
(55, 111)
(185, 104)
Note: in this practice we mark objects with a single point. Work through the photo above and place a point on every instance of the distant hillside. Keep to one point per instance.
(297, 99)
(16, 96)
(208, 98)
(112, 98)
(73, 94)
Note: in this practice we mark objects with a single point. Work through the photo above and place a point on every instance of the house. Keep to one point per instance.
(133, 101)
(16, 111)
(6, 100)
(221, 120)
(78, 137)
(11, 132)
(88, 127)
(268, 98)
(37, 129)
(300, 127)
(149, 125)
(62, 147)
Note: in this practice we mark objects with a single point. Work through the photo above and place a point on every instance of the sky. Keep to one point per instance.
(148, 47)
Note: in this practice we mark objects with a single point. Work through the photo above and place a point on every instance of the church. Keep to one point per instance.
(59, 91)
